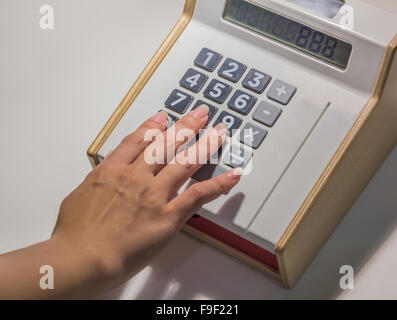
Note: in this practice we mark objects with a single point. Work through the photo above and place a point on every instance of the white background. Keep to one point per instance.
(57, 88)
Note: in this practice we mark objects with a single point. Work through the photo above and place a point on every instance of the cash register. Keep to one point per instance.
(313, 80)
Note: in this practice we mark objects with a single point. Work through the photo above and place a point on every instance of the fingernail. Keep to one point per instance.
(201, 112)
(219, 130)
(160, 117)
(236, 174)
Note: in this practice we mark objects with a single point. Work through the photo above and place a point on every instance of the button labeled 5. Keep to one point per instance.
(217, 91)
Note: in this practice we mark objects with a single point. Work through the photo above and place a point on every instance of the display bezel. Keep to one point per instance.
(318, 57)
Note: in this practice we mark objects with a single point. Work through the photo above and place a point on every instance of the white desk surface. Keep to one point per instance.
(57, 88)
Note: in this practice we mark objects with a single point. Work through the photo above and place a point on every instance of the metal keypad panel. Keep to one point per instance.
(233, 93)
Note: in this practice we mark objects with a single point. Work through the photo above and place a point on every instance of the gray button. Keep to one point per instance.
(252, 135)
(212, 110)
(281, 92)
(231, 70)
(178, 101)
(242, 102)
(193, 80)
(230, 121)
(267, 114)
(256, 81)
(208, 171)
(237, 156)
(217, 91)
(208, 59)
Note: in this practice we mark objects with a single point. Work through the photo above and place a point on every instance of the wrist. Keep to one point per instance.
(87, 267)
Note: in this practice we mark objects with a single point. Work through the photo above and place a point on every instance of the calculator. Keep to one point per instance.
(306, 92)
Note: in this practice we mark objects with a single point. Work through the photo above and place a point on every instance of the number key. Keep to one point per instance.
(242, 102)
(230, 121)
(208, 60)
(232, 70)
(217, 91)
(256, 81)
(211, 112)
(193, 80)
(178, 101)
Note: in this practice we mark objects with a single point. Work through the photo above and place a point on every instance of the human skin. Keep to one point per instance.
(121, 216)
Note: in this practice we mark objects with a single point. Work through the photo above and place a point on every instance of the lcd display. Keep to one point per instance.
(287, 31)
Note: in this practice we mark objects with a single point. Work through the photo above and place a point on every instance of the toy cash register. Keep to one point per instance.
(315, 81)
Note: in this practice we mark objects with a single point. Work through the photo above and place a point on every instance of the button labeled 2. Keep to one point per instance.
(217, 91)
(232, 70)
(178, 101)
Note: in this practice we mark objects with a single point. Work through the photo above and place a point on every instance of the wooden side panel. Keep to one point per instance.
(140, 83)
(363, 151)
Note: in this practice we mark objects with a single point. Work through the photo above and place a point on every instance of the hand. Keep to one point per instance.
(124, 212)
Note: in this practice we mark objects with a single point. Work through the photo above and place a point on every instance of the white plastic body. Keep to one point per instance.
(312, 126)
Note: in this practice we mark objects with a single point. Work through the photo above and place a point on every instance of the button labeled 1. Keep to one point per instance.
(208, 59)
(217, 91)
(230, 121)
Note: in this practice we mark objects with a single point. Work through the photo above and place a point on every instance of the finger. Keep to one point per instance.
(192, 199)
(135, 143)
(163, 149)
(187, 162)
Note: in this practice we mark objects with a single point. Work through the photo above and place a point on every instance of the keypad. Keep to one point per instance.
(217, 91)
(208, 59)
(253, 101)
(242, 102)
(193, 80)
(178, 101)
(231, 70)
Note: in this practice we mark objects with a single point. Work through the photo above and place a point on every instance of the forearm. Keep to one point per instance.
(77, 272)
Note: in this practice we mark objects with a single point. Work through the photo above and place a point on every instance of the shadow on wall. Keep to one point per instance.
(188, 269)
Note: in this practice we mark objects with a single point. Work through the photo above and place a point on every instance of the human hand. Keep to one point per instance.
(124, 212)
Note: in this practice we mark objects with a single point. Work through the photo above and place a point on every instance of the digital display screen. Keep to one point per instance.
(287, 31)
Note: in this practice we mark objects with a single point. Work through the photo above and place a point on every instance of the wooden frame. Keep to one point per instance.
(374, 134)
